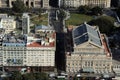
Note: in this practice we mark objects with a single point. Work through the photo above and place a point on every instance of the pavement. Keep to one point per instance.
(54, 22)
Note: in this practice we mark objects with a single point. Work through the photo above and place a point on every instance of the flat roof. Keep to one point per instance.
(37, 44)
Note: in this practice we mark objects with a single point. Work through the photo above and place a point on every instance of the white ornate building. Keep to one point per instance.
(41, 50)
(36, 51)
(8, 23)
(91, 3)
(90, 51)
(28, 3)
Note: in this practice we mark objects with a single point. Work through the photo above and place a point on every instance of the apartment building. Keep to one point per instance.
(45, 4)
(25, 23)
(28, 3)
(8, 23)
(1, 60)
(90, 51)
(2, 31)
(36, 51)
(41, 50)
(91, 3)
(13, 51)
(3, 3)
(116, 67)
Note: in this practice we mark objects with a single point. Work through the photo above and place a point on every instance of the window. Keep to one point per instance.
(96, 64)
(91, 63)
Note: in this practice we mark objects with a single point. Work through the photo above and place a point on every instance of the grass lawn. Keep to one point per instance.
(77, 19)
(40, 20)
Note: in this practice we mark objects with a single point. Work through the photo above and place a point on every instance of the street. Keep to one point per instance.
(54, 22)
(57, 24)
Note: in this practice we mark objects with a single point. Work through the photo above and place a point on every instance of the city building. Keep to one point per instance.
(116, 67)
(90, 51)
(1, 57)
(41, 49)
(14, 51)
(33, 51)
(3, 3)
(8, 23)
(28, 3)
(2, 31)
(25, 23)
(3, 15)
(91, 3)
(45, 4)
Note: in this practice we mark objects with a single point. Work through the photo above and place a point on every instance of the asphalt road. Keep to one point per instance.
(57, 24)
(54, 22)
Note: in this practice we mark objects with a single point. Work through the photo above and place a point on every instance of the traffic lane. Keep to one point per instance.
(58, 26)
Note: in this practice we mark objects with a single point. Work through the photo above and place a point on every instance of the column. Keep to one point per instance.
(29, 3)
(33, 3)
(10, 3)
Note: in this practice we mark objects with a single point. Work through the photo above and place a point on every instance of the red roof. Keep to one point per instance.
(104, 42)
(36, 44)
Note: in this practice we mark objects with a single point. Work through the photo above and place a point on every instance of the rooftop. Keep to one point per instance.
(3, 15)
(43, 27)
(85, 33)
(14, 40)
(106, 46)
(38, 44)
(42, 39)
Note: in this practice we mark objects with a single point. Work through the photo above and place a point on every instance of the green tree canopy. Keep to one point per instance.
(96, 10)
(61, 14)
(29, 76)
(18, 6)
(84, 9)
(118, 11)
(105, 24)
(16, 76)
(35, 76)
(41, 76)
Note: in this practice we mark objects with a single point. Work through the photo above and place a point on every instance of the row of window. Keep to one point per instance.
(74, 3)
(87, 63)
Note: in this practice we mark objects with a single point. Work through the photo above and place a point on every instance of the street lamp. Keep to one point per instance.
(78, 76)
(59, 2)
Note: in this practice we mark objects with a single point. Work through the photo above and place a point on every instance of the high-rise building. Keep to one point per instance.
(25, 23)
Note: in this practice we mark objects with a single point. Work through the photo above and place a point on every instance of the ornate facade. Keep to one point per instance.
(28, 3)
(90, 51)
(91, 3)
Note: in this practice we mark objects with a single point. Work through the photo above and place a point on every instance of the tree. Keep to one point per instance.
(61, 14)
(84, 9)
(41, 76)
(35, 76)
(54, 3)
(118, 11)
(5, 78)
(96, 10)
(114, 3)
(16, 76)
(105, 24)
(18, 6)
(39, 12)
(29, 76)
